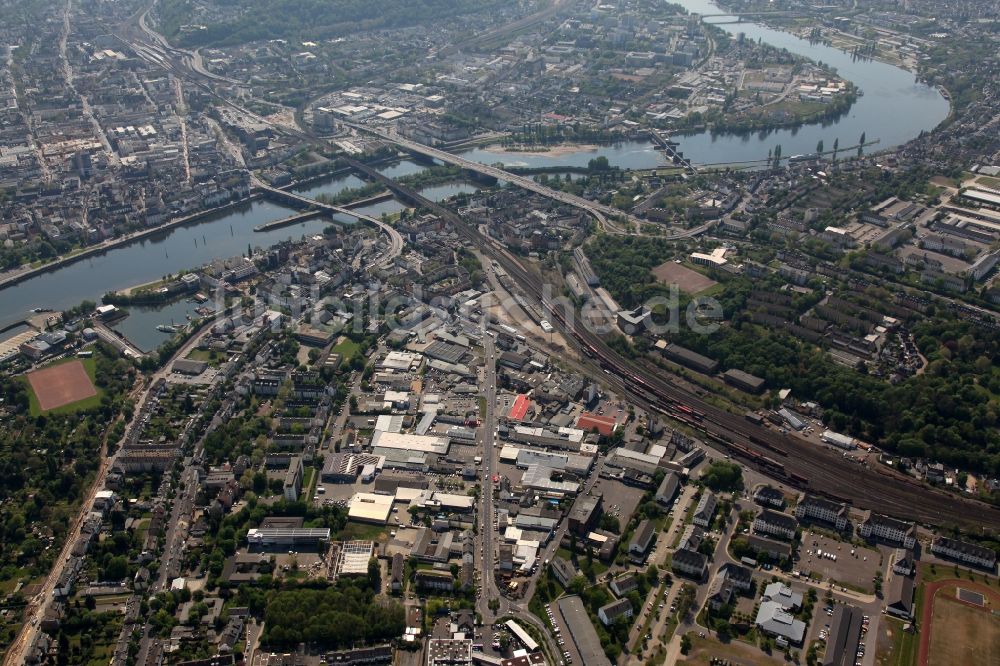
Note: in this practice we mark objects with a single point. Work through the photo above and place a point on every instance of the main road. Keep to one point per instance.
(395, 239)
(606, 216)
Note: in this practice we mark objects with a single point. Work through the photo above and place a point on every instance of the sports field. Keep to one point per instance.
(687, 280)
(962, 632)
(60, 385)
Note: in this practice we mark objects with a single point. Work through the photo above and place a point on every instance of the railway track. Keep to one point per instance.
(798, 464)
(808, 467)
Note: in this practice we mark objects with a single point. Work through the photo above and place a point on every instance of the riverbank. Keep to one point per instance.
(20, 275)
(886, 89)
(557, 150)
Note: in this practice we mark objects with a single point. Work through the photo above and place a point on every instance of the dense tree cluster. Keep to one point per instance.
(723, 476)
(334, 617)
(47, 462)
(950, 412)
(255, 20)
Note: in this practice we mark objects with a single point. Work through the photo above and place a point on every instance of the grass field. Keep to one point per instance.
(347, 348)
(901, 649)
(961, 634)
(706, 650)
(213, 358)
(64, 387)
(362, 532)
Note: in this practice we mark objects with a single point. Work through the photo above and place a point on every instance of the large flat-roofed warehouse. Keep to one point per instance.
(691, 359)
(282, 536)
(370, 508)
(444, 351)
(743, 381)
(405, 442)
(588, 644)
(400, 361)
(842, 645)
(449, 651)
(564, 462)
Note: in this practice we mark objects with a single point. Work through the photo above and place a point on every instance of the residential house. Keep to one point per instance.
(775, 524)
(964, 552)
(705, 510)
(689, 563)
(610, 612)
(883, 528)
(818, 508)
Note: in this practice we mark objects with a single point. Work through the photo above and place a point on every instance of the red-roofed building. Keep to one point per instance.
(519, 408)
(588, 422)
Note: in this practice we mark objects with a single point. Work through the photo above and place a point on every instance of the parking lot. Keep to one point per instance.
(853, 567)
(619, 500)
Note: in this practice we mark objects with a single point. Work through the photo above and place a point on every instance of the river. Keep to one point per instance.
(177, 249)
(894, 109)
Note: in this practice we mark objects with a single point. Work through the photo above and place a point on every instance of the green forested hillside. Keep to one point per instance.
(229, 22)
(948, 413)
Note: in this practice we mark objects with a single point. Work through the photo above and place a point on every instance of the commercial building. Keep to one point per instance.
(400, 361)
(526, 640)
(547, 480)
(370, 508)
(964, 552)
(287, 536)
(839, 440)
(353, 558)
(187, 366)
(604, 425)
(406, 442)
(776, 524)
(576, 464)
(883, 528)
(520, 408)
(818, 508)
(449, 652)
(845, 636)
(582, 631)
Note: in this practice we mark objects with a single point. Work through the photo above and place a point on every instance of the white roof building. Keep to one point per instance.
(406, 442)
(370, 508)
